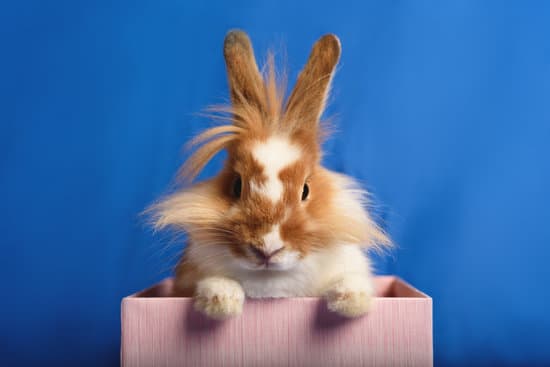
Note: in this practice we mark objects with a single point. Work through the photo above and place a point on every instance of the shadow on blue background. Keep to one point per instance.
(443, 112)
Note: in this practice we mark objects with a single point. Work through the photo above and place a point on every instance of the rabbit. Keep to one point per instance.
(274, 222)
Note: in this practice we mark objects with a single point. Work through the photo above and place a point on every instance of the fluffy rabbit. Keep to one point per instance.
(273, 222)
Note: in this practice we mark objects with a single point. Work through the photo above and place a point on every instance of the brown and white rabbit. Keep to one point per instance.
(273, 222)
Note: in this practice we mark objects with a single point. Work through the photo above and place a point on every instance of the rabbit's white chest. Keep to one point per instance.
(296, 284)
(309, 278)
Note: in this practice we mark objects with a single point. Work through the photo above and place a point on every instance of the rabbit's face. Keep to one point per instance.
(274, 196)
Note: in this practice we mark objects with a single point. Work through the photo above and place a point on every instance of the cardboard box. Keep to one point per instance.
(166, 331)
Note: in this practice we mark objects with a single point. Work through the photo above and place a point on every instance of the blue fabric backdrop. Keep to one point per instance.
(442, 110)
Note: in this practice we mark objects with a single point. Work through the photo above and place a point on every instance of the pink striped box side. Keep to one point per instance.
(166, 331)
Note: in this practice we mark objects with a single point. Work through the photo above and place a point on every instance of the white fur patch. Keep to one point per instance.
(219, 297)
(275, 154)
(311, 277)
(272, 240)
(351, 198)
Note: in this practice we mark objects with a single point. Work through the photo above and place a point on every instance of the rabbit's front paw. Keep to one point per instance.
(219, 298)
(351, 296)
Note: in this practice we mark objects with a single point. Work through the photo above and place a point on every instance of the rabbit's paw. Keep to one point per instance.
(219, 298)
(350, 296)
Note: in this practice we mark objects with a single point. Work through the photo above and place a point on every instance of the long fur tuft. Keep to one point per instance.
(243, 117)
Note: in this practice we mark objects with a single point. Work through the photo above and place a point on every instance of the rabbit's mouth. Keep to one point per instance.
(265, 258)
(270, 265)
(279, 260)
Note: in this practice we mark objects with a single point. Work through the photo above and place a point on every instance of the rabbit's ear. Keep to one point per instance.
(245, 81)
(307, 101)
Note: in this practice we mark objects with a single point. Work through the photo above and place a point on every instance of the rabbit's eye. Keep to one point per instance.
(305, 192)
(237, 187)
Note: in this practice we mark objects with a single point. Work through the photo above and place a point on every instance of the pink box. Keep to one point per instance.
(166, 331)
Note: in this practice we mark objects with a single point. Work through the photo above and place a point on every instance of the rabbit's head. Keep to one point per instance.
(273, 203)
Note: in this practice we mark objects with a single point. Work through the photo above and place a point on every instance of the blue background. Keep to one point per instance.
(442, 109)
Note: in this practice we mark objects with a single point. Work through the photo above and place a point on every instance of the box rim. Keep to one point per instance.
(420, 295)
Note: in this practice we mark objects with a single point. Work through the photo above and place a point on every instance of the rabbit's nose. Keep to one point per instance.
(262, 254)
